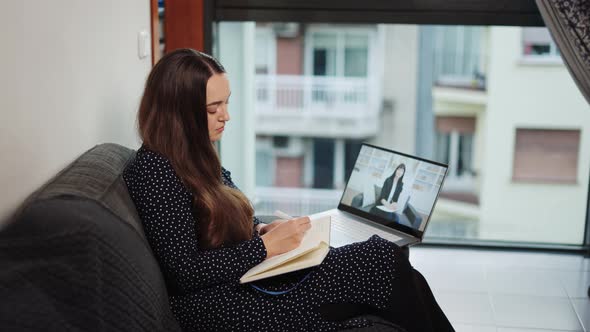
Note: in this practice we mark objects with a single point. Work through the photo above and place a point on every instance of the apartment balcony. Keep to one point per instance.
(459, 97)
(317, 106)
(451, 219)
(295, 201)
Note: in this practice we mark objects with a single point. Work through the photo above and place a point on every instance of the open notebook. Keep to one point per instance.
(311, 252)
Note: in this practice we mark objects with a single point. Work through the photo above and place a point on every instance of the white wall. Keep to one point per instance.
(71, 78)
(530, 96)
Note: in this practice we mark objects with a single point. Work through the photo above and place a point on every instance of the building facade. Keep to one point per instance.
(516, 166)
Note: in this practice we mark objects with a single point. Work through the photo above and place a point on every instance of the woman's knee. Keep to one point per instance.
(388, 249)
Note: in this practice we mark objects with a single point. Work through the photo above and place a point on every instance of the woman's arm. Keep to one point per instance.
(164, 205)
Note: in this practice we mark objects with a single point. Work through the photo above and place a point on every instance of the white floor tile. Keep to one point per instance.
(535, 260)
(576, 283)
(540, 282)
(505, 291)
(456, 278)
(539, 312)
(582, 307)
(434, 257)
(466, 307)
(516, 329)
(460, 327)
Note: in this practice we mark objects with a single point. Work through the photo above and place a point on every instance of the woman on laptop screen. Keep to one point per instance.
(387, 202)
(204, 234)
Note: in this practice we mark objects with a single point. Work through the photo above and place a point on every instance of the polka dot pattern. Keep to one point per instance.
(205, 293)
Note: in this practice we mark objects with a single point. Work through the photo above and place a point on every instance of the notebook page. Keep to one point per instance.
(319, 232)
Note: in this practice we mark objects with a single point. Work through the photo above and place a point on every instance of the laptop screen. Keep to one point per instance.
(393, 189)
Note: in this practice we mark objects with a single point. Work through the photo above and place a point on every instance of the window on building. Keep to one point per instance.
(537, 42)
(455, 143)
(546, 155)
(265, 161)
(352, 149)
(356, 55)
(457, 58)
(443, 142)
(323, 156)
(465, 154)
(343, 53)
(265, 59)
(280, 141)
(325, 49)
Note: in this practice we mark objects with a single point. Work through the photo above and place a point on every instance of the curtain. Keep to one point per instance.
(569, 24)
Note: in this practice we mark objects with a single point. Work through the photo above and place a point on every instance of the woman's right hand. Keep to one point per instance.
(285, 236)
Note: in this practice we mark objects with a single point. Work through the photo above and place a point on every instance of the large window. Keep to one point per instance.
(312, 93)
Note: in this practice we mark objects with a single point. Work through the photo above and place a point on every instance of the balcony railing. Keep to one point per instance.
(450, 219)
(295, 201)
(340, 97)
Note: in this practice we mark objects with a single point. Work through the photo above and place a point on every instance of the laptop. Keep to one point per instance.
(388, 193)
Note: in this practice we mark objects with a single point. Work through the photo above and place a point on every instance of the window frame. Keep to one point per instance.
(458, 12)
(522, 13)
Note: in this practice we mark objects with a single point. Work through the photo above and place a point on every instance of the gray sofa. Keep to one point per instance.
(74, 257)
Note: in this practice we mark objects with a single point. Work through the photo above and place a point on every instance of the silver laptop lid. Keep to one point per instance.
(393, 189)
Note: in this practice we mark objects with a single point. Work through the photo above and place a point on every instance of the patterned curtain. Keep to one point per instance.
(569, 23)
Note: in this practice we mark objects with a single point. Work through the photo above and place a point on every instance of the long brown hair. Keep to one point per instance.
(173, 122)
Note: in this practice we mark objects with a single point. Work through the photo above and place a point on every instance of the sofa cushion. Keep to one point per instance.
(70, 264)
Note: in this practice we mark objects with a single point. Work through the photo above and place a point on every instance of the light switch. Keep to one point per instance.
(143, 44)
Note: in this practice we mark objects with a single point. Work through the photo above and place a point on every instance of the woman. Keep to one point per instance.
(204, 235)
(392, 188)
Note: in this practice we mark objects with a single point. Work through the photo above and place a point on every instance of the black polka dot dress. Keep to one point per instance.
(205, 293)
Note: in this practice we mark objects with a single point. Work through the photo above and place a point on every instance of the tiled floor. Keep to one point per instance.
(500, 291)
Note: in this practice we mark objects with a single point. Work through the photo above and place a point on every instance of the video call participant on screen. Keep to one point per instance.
(392, 188)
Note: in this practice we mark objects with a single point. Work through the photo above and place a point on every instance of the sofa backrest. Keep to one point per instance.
(75, 255)
(96, 176)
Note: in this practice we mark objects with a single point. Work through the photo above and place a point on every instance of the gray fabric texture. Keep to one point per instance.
(69, 264)
(569, 24)
(97, 176)
(75, 256)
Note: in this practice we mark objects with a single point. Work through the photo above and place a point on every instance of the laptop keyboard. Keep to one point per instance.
(358, 231)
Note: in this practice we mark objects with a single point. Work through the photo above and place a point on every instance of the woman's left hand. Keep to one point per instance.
(268, 227)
